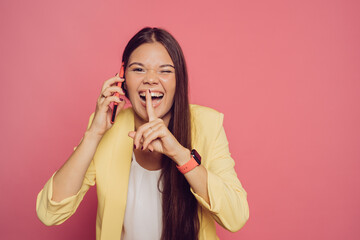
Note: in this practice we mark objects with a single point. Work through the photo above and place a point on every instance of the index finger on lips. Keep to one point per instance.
(149, 107)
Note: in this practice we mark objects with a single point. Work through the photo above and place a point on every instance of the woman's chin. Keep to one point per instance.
(142, 117)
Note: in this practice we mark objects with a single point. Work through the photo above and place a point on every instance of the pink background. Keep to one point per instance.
(285, 74)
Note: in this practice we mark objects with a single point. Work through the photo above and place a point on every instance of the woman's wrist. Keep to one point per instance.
(182, 156)
(93, 135)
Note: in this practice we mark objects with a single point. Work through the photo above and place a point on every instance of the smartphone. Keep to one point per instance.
(121, 75)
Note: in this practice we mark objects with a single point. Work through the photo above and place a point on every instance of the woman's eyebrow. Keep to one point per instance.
(167, 65)
(137, 63)
(140, 64)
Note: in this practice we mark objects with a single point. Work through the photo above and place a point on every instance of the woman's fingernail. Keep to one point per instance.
(150, 150)
(134, 146)
(116, 74)
(149, 91)
(121, 99)
(142, 148)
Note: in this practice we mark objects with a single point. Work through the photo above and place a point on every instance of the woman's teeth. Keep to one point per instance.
(154, 95)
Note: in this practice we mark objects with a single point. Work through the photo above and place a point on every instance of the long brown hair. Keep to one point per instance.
(180, 216)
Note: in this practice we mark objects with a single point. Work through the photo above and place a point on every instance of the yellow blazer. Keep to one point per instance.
(110, 170)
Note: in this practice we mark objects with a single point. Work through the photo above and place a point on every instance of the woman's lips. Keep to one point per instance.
(155, 101)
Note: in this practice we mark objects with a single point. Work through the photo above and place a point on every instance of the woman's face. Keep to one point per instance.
(150, 67)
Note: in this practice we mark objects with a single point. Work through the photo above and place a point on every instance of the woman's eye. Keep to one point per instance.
(166, 71)
(137, 69)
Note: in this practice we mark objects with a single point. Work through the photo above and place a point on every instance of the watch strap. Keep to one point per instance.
(190, 165)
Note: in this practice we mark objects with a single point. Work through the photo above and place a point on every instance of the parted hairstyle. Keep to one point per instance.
(180, 216)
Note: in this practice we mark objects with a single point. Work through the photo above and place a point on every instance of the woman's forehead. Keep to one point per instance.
(151, 54)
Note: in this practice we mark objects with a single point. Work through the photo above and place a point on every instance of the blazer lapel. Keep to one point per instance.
(117, 178)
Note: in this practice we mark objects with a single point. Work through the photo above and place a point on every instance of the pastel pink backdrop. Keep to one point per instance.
(285, 74)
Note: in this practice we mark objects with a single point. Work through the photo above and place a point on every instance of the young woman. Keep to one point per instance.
(163, 169)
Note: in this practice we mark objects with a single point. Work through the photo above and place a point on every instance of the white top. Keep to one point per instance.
(143, 214)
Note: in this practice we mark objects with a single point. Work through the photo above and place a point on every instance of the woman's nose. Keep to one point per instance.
(151, 77)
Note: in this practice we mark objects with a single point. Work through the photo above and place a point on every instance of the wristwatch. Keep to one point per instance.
(194, 161)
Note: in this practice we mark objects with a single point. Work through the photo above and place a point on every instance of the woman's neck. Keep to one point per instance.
(149, 160)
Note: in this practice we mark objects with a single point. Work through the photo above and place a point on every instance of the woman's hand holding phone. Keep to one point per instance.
(103, 113)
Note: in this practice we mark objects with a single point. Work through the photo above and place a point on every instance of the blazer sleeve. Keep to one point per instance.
(54, 213)
(228, 199)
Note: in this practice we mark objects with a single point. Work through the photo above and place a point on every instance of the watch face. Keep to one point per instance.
(196, 156)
